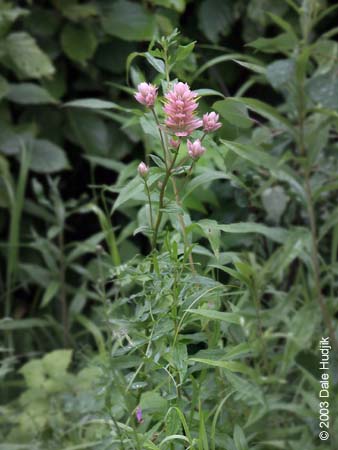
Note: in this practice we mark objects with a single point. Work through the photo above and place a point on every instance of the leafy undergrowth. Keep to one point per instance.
(196, 305)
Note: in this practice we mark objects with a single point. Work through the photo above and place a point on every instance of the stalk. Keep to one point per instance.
(312, 218)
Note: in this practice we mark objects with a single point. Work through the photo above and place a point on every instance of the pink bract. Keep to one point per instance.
(195, 149)
(146, 94)
(180, 109)
(210, 122)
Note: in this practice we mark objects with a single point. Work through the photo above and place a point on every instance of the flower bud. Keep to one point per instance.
(174, 143)
(146, 94)
(195, 149)
(143, 169)
(210, 122)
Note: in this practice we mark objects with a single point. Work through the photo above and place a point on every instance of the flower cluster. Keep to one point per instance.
(180, 117)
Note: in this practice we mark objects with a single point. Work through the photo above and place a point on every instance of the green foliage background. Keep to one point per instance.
(70, 205)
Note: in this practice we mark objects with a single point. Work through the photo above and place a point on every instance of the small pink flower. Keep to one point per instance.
(139, 417)
(146, 94)
(210, 122)
(174, 143)
(195, 149)
(143, 169)
(180, 109)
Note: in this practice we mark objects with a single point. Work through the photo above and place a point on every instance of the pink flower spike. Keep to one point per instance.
(146, 94)
(174, 143)
(139, 417)
(180, 108)
(195, 149)
(143, 169)
(210, 122)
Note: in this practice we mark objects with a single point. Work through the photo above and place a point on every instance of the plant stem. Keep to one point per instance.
(312, 219)
(161, 137)
(182, 224)
(161, 201)
(150, 206)
(63, 297)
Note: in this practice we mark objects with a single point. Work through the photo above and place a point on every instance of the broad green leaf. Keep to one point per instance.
(28, 59)
(184, 51)
(215, 18)
(47, 157)
(57, 362)
(280, 72)
(232, 366)
(157, 63)
(78, 43)
(223, 58)
(49, 293)
(274, 233)
(217, 315)
(274, 201)
(323, 89)
(129, 192)
(152, 402)
(92, 103)
(4, 87)
(282, 43)
(128, 20)
(253, 154)
(21, 324)
(208, 92)
(29, 94)
(234, 112)
(240, 439)
(265, 110)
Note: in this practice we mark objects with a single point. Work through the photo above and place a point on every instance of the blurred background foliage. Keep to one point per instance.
(55, 157)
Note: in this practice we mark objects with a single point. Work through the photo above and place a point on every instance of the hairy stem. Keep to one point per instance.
(161, 200)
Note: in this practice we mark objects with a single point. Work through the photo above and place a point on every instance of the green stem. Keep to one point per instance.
(161, 137)
(150, 206)
(312, 218)
(161, 201)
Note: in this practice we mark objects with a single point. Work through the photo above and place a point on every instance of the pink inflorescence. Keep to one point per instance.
(180, 110)
(195, 149)
(210, 122)
(146, 94)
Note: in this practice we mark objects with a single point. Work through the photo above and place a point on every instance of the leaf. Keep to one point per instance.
(253, 154)
(183, 51)
(49, 293)
(282, 43)
(134, 187)
(264, 110)
(152, 402)
(28, 59)
(4, 87)
(232, 366)
(323, 89)
(280, 72)
(128, 20)
(240, 439)
(274, 233)
(47, 157)
(92, 103)
(274, 201)
(29, 94)
(215, 18)
(57, 362)
(217, 315)
(157, 63)
(234, 112)
(208, 92)
(78, 43)
(21, 324)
